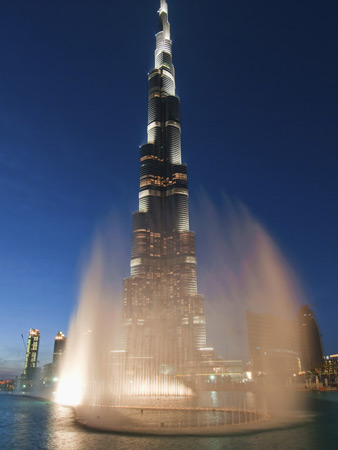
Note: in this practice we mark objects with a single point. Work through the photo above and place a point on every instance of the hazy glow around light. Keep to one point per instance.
(69, 391)
(158, 385)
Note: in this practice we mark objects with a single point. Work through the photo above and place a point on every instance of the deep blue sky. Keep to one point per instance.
(258, 85)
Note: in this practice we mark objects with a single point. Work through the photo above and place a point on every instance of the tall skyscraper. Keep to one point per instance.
(310, 344)
(163, 314)
(32, 353)
(59, 349)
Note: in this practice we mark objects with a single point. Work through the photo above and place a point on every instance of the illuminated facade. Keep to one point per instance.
(163, 315)
(32, 352)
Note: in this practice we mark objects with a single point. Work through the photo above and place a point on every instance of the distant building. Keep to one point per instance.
(330, 370)
(310, 344)
(51, 370)
(331, 364)
(212, 372)
(215, 366)
(273, 346)
(32, 354)
(47, 375)
(59, 349)
(7, 385)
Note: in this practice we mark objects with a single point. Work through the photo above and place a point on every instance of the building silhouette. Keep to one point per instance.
(273, 346)
(163, 314)
(32, 354)
(59, 349)
(51, 371)
(310, 344)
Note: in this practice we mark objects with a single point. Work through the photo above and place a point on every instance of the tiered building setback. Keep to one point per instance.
(163, 314)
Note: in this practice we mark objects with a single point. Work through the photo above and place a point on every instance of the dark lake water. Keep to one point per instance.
(27, 424)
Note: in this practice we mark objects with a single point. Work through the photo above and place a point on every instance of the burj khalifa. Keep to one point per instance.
(163, 314)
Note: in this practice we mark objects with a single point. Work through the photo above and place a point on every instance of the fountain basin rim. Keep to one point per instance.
(135, 420)
(169, 408)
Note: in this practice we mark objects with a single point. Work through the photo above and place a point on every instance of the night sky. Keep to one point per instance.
(259, 104)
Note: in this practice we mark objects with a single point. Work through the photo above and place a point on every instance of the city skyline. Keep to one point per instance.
(67, 138)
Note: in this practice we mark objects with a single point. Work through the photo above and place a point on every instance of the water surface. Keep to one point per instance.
(27, 424)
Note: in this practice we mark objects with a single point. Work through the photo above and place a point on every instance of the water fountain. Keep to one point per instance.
(145, 380)
(111, 393)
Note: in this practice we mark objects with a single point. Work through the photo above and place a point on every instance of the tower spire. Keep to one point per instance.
(163, 7)
(163, 53)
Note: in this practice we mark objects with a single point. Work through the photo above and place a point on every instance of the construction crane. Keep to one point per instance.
(23, 340)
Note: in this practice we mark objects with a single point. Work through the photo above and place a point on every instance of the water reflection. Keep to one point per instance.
(28, 424)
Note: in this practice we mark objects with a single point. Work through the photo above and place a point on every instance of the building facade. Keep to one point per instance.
(32, 353)
(59, 349)
(163, 314)
(273, 346)
(310, 344)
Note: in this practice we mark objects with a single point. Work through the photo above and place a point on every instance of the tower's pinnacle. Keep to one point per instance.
(163, 42)
(163, 7)
(163, 13)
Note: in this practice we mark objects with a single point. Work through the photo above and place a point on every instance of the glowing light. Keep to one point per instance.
(69, 391)
(60, 336)
(154, 386)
